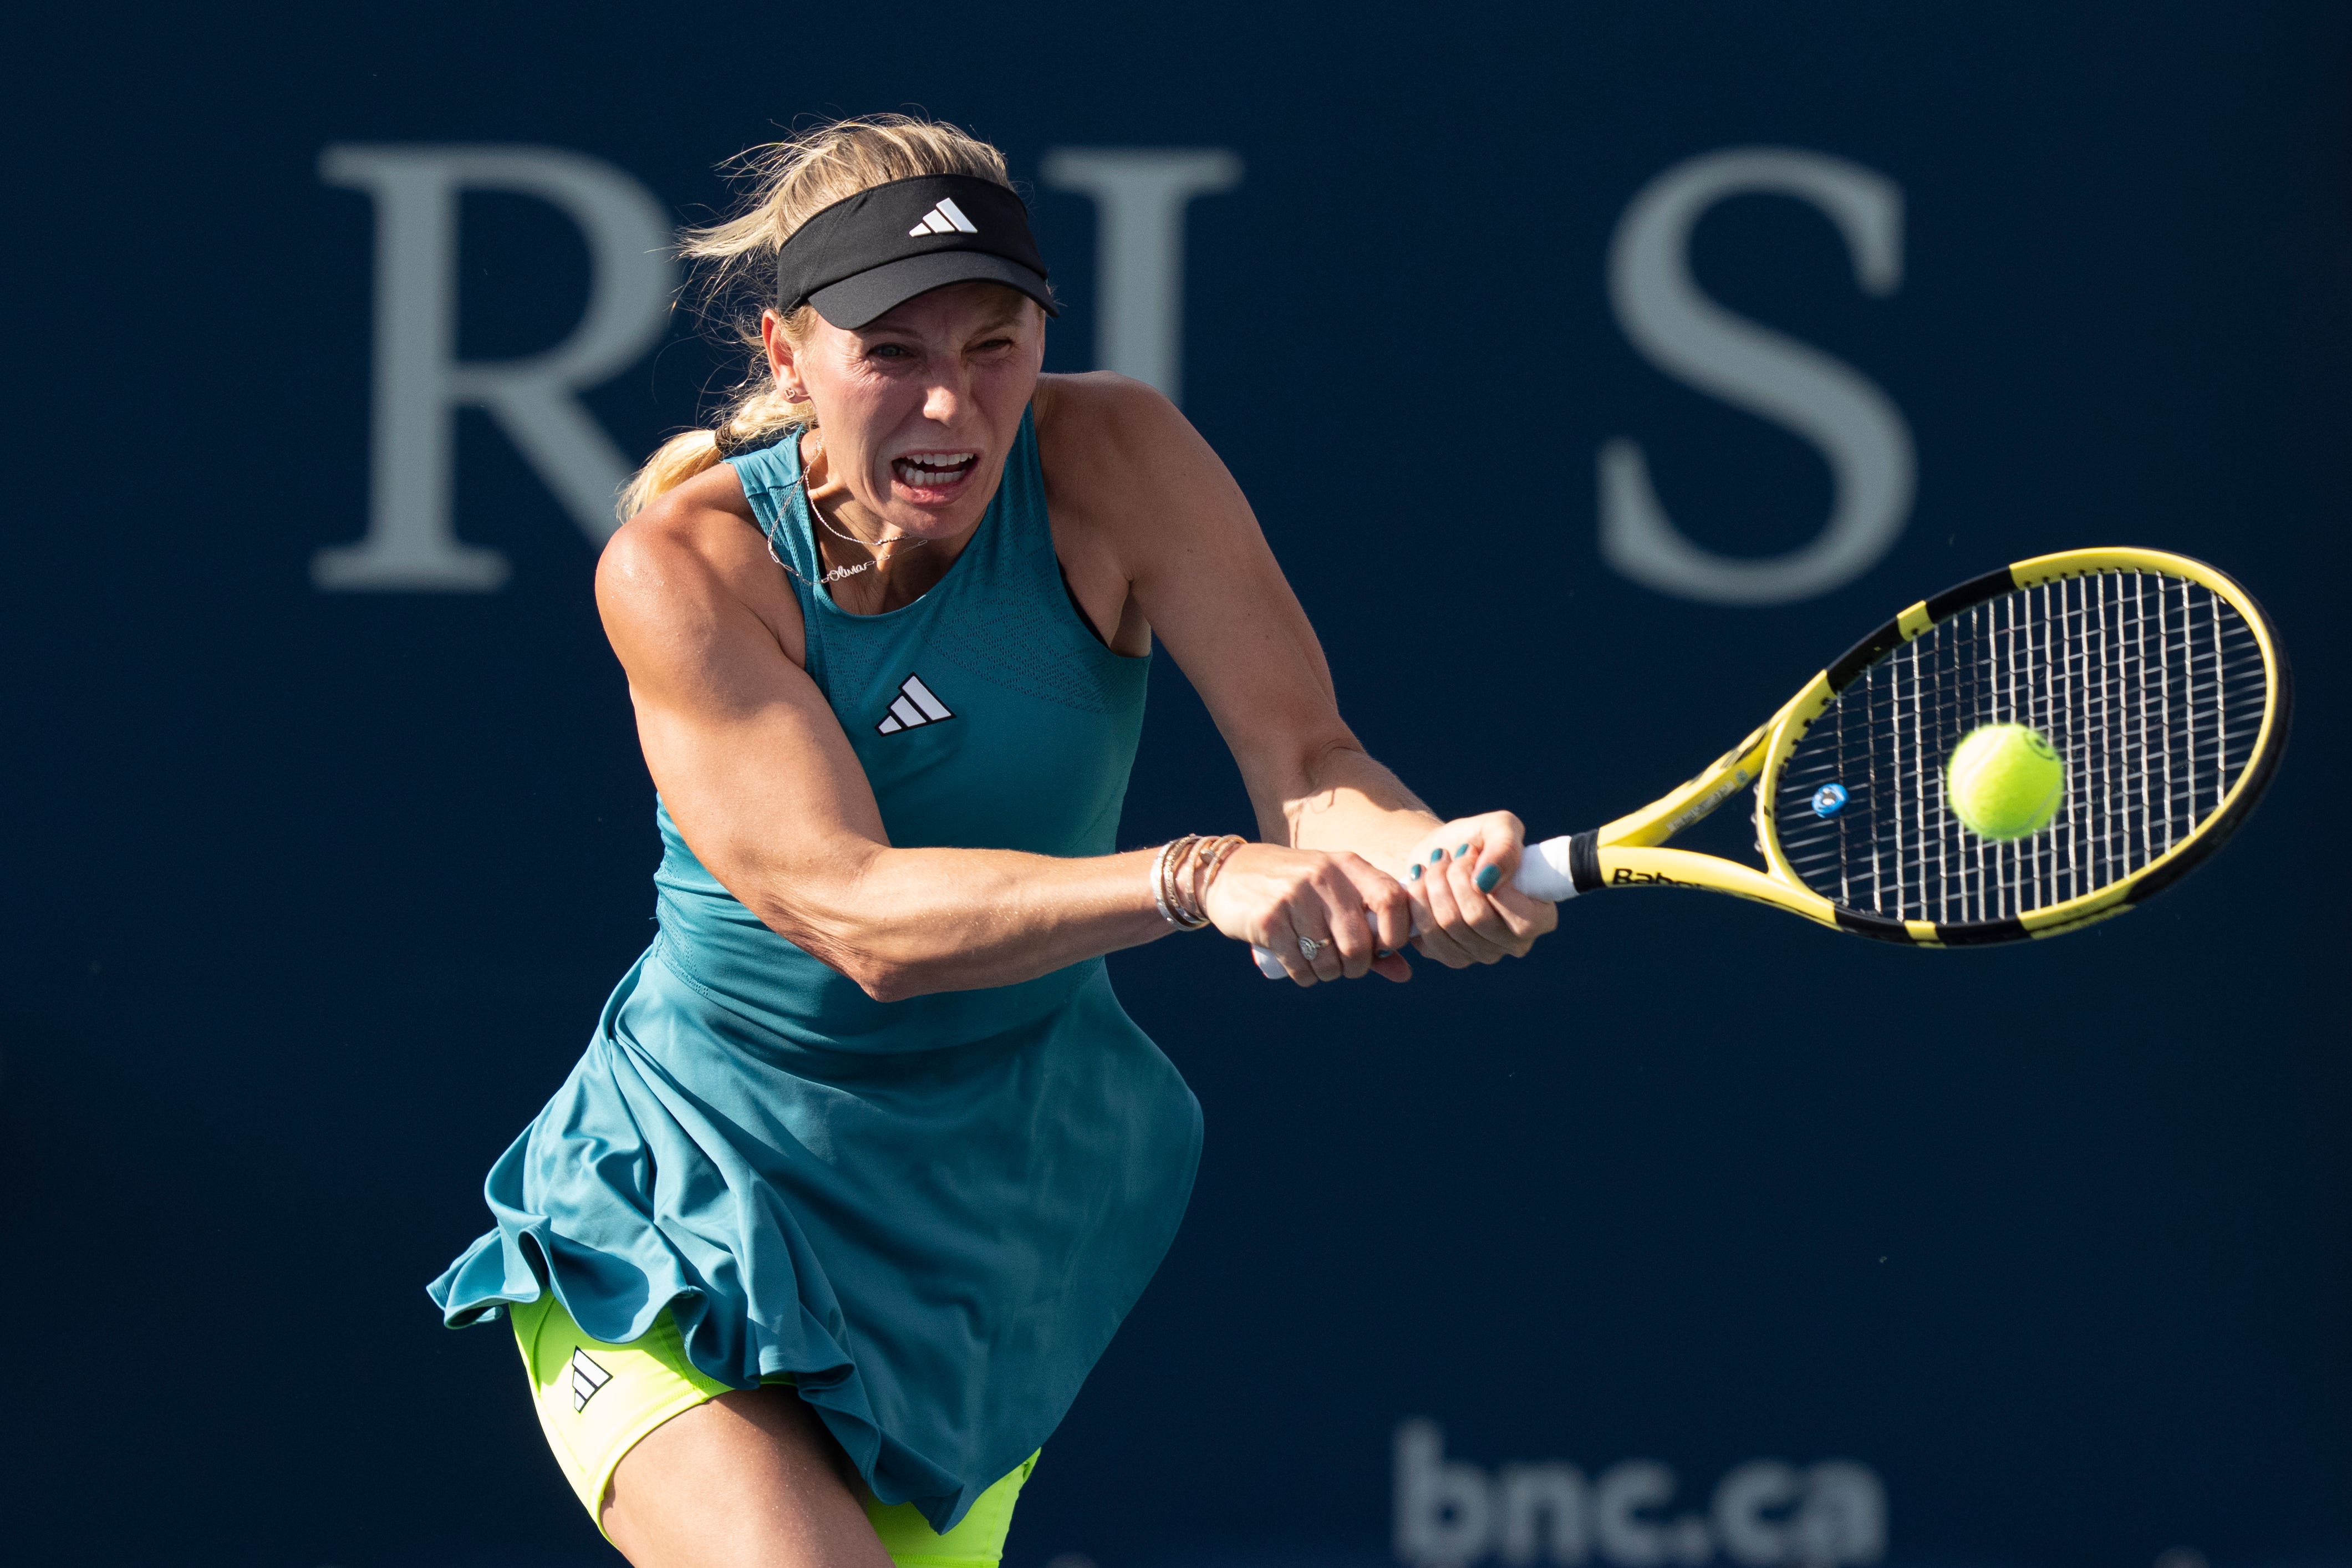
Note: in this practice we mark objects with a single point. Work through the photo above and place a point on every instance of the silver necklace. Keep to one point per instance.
(838, 573)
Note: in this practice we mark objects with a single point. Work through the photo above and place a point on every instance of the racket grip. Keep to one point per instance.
(1543, 874)
(1544, 871)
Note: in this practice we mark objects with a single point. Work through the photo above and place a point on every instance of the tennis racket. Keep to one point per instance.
(2156, 678)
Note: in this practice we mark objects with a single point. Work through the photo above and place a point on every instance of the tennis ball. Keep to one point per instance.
(2005, 781)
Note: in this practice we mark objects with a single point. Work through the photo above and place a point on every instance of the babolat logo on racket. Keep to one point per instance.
(915, 706)
(1626, 877)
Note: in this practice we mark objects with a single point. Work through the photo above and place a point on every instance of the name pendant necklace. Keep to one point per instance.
(838, 573)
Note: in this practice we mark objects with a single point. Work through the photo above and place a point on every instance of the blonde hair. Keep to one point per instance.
(785, 185)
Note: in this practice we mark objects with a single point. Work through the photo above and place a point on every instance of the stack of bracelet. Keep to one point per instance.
(1181, 877)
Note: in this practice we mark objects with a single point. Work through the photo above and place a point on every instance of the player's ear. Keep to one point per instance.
(782, 358)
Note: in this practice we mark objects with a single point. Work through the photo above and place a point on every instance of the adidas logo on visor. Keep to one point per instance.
(945, 218)
(915, 706)
(588, 1380)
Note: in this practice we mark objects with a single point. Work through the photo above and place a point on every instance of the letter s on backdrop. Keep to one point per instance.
(1681, 331)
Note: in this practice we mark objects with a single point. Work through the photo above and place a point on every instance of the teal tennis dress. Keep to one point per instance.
(931, 1214)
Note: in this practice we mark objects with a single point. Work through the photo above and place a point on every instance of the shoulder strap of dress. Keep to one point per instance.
(772, 483)
(1027, 535)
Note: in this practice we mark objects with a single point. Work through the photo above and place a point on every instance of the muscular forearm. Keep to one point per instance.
(1449, 869)
(908, 922)
(1342, 799)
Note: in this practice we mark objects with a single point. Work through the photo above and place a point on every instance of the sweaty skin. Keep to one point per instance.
(1154, 535)
(917, 415)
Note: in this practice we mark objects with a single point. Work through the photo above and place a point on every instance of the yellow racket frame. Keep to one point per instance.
(1626, 853)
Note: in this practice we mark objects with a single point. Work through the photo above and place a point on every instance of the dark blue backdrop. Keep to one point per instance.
(312, 897)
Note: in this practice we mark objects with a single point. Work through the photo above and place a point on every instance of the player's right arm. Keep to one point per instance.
(760, 778)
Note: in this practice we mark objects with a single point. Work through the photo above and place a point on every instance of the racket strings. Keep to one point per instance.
(2152, 689)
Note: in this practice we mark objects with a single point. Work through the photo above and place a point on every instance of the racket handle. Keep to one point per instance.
(1543, 874)
(1543, 870)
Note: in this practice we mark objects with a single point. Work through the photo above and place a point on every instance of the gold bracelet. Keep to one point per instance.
(1187, 916)
(1207, 861)
(1163, 885)
(1159, 881)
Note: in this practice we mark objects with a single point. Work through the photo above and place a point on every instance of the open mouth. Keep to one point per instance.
(934, 470)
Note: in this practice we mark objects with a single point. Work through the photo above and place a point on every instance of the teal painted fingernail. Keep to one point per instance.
(1486, 878)
(1413, 874)
(1435, 856)
(1462, 853)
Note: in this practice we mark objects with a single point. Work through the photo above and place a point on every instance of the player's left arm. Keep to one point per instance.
(1137, 488)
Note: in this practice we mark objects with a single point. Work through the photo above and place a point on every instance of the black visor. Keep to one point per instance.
(870, 253)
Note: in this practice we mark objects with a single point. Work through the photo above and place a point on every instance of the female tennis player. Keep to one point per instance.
(864, 1165)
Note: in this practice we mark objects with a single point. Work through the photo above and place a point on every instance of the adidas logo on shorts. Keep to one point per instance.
(587, 1378)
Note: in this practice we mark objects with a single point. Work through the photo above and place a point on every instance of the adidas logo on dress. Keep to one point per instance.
(915, 706)
(587, 1378)
(945, 218)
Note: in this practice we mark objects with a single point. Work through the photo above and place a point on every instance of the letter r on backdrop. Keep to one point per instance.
(1767, 373)
(419, 383)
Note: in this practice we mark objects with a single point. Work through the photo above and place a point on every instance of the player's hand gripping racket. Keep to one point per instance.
(2155, 679)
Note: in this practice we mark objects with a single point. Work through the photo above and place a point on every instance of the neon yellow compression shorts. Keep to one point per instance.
(597, 1401)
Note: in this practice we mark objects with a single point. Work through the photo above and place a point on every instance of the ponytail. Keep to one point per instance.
(758, 418)
(674, 462)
